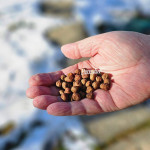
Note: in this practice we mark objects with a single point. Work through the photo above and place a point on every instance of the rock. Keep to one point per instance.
(139, 140)
(61, 8)
(110, 126)
(67, 33)
(7, 128)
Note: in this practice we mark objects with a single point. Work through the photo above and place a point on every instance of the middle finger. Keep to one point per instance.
(35, 91)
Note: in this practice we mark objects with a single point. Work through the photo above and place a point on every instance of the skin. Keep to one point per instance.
(126, 55)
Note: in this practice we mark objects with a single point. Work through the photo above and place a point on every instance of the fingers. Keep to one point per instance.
(103, 103)
(48, 79)
(45, 78)
(43, 101)
(84, 107)
(35, 91)
(84, 48)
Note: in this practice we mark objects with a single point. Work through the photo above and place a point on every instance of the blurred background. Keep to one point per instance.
(31, 34)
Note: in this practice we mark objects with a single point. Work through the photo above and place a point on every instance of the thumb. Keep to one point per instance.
(85, 48)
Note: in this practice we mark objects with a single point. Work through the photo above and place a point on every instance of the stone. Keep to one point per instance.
(109, 126)
(68, 33)
(139, 140)
(61, 8)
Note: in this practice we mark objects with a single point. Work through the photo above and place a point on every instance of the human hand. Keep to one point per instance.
(125, 55)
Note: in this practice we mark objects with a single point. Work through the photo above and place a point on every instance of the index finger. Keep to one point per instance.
(48, 79)
(45, 79)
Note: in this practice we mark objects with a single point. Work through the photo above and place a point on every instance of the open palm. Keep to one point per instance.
(126, 55)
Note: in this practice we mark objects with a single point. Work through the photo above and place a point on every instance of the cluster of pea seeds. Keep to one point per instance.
(78, 85)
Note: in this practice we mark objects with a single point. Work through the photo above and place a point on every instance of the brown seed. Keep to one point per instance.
(105, 76)
(70, 74)
(107, 81)
(75, 89)
(83, 81)
(77, 83)
(82, 94)
(62, 77)
(77, 77)
(67, 90)
(61, 92)
(95, 85)
(93, 77)
(104, 86)
(89, 89)
(85, 76)
(89, 95)
(76, 96)
(99, 78)
(58, 83)
(64, 97)
(77, 71)
(64, 85)
(88, 83)
(69, 79)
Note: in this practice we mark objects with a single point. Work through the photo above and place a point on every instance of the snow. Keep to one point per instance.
(21, 51)
(25, 51)
(112, 11)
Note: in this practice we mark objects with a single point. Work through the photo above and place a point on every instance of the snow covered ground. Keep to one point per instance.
(24, 51)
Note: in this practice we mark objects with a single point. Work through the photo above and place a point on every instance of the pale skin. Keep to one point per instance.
(126, 55)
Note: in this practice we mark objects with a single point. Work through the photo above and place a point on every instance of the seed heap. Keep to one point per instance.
(78, 85)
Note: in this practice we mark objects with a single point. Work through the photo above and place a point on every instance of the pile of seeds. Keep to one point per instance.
(78, 85)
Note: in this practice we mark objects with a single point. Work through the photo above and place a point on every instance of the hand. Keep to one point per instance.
(126, 55)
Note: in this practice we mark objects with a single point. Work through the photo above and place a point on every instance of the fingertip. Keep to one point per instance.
(28, 94)
(32, 92)
(45, 79)
(65, 47)
(30, 80)
(39, 103)
(70, 51)
(33, 79)
(35, 103)
(65, 50)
